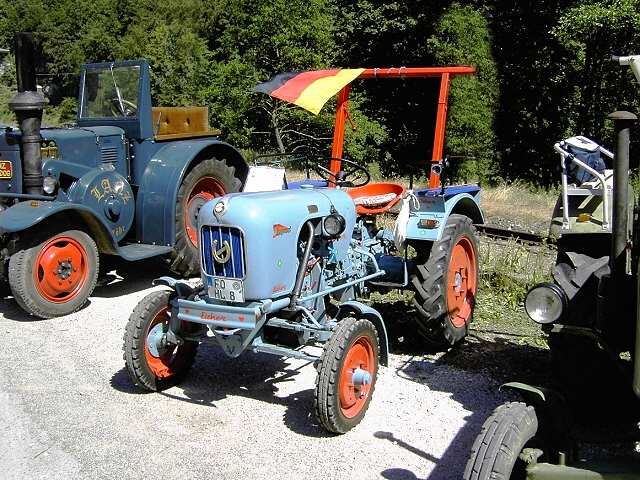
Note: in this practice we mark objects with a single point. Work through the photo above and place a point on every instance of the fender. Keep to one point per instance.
(182, 289)
(440, 207)
(374, 317)
(158, 192)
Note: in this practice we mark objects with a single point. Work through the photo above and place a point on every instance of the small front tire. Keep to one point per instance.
(347, 375)
(495, 452)
(151, 366)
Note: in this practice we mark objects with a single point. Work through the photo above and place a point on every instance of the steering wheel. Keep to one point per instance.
(130, 108)
(355, 176)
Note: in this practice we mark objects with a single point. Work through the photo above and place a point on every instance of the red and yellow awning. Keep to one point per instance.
(309, 90)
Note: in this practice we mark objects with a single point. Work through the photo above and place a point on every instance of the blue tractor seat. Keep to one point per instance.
(315, 183)
(448, 190)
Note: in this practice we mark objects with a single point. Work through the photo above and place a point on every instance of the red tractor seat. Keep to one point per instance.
(375, 198)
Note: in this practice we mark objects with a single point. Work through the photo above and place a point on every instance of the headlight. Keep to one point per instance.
(49, 184)
(334, 224)
(545, 303)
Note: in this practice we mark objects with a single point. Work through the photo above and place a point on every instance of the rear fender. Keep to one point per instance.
(439, 209)
(158, 192)
(371, 314)
(25, 215)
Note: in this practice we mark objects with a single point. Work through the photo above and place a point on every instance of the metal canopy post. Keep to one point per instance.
(441, 122)
(338, 131)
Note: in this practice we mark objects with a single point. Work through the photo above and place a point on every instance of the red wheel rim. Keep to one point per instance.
(461, 282)
(61, 269)
(161, 364)
(354, 394)
(204, 190)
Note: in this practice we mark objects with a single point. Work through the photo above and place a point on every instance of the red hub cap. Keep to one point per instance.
(61, 269)
(462, 282)
(159, 358)
(204, 190)
(356, 376)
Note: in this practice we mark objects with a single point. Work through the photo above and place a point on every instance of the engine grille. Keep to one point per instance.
(222, 251)
(109, 154)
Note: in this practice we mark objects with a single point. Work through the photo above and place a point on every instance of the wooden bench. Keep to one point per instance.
(173, 123)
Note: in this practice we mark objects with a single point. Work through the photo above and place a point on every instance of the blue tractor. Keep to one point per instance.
(127, 180)
(284, 266)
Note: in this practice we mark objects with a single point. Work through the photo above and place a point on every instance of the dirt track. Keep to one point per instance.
(70, 411)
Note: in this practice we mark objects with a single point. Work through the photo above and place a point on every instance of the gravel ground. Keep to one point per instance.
(70, 411)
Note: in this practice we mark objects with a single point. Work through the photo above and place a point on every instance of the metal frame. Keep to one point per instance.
(444, 73)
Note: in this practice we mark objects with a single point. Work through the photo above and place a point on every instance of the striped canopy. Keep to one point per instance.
(309, 90)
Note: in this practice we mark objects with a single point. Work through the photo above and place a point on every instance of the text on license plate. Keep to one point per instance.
(6, 170)
(227, 290)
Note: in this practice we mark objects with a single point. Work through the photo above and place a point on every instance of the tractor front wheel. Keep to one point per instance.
(54, 277)
(447, 283)
(347, 375)
(152, 363)
(495, 452)
(209, 179)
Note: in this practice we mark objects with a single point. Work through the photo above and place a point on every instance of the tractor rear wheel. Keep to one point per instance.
(347, 375)
(446, 284)
(495, 452)
(55, 274)
(152, 365)
(209, 179)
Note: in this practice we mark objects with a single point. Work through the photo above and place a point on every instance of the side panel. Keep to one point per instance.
(160, 182)
(439, 208)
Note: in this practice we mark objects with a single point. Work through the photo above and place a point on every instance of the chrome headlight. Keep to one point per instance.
(545, 303)
(334, 224)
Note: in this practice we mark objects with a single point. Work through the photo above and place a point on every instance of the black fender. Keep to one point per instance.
(371, 314)
(160, 182)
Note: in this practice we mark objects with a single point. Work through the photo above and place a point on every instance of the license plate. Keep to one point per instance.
(227, 290)
(6, 170)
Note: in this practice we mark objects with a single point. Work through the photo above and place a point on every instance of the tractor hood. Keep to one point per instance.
(264, 229)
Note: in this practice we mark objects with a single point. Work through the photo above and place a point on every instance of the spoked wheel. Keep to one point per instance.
(207, 180)
(447, 283)
(347, 375)
(495, 452)
(56, 276)
(153, 364)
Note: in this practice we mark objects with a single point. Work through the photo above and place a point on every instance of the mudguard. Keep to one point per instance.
(463, 200)
(158, 191)
(374, 317)
(181, 288)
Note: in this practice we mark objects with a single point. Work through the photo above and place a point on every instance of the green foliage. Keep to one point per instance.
(462, 37)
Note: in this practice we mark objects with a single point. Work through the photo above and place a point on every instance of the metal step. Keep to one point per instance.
(138, 251)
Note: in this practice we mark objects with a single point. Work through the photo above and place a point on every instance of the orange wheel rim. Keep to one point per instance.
(204, 190)
(462, 281)
(160, 362)
(354, 389)
(61, 269)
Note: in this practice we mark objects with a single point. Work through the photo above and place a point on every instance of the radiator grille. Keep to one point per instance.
(109, 154)
(223, 251)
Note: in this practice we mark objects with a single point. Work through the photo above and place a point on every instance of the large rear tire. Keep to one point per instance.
(209, 179)
(151, 366)
(446, 284)
(495, 452)
(347, 375)
(55, 276)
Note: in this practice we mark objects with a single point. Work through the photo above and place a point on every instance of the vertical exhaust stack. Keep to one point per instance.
(28, 105)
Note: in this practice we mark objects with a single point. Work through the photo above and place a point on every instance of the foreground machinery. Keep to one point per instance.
(284, 264)
(592, 316)
(127, 180)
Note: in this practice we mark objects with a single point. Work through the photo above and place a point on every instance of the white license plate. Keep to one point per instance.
(227, 290)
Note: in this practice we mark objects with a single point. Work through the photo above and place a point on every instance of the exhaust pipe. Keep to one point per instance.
(28, 105)
(622, 123)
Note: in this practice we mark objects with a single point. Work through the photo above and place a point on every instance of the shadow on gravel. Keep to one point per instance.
(10, 310)
(215, 377)
(127, 277)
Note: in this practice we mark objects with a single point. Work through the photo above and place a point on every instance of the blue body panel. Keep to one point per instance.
(274, 221)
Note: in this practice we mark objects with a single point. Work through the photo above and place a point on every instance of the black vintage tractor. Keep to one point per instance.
(591, 313)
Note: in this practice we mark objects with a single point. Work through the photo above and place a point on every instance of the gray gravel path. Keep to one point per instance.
(68, 409)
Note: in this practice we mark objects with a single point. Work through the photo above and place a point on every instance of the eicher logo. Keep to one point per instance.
(223, 254)
(212, 316)
(279, 229)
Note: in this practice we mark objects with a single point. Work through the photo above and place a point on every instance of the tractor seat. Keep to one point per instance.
(175, 123)
(315, 183)
(375, 198)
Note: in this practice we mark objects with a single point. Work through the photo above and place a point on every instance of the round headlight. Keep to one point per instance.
(545, 303)
(49, 184)
(334, 224)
